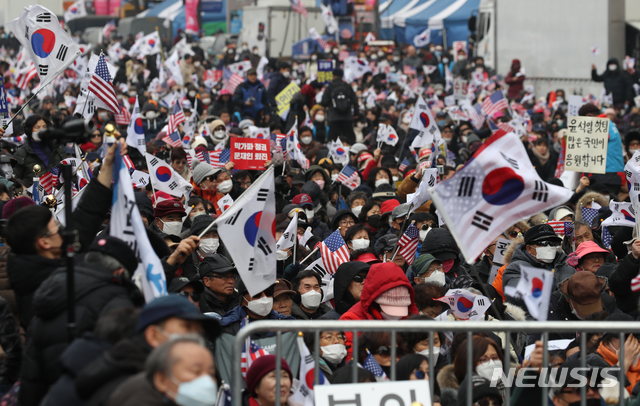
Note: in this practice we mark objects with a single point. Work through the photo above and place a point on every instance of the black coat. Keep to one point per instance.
(96, 294)
(99, 379)
(209, 302)
(615, 82)
(327, 101)
(342, 297)
(440, 243)
(26, 272)
(620, 285)
(547, 172)
(277, 84)
(27, 158)
(11, 345)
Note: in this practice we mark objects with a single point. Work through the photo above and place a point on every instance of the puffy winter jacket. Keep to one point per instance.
(343, 299)
(615, 82)
(441, 244)
(620, 285)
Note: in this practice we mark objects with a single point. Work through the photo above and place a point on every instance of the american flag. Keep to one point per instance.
(345, 173)
(231, 80)
(500, 126)
(108, 28)
(588, 214)
(24, 78)
(173, 139)
(371, 365)
(129, 164)
(49, 180)
(409, 243)
(475, 114)
(176, 118)
(220, 158)
(203, 156)
(606, 237)
(562, 227)
(298, 7)
(334, 252)
(123, 117)
(494, 103)
(101, 86)
(281, 144)
(404, 164)
(255, 352)
(413, 85)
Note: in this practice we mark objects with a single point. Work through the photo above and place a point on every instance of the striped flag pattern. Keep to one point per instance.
(494, 103)
(298, 7)
(220, 158)
(635, 284)
(409, 243)
(173, 139)
(231, 80)
(176, 118)
(334, 252)
(403, 165)
(100, 85)
(255, 352)
(49, 180)
(345, 174)
(562, 227)
(23, 80)
(123, 117)
(128, 163)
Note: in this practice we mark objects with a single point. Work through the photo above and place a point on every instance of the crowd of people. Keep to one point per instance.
(177, 349)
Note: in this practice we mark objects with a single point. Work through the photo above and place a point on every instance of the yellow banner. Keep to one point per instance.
(283, 99)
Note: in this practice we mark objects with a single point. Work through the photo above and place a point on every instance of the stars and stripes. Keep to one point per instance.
(494, 103)
(562, 227)
(100, 85)
(25, 77)
(606, 237)
(298, 7)
(334, 252)
(371, 365)
(220, 158)
(173, 139)
(231, 80)
(49, 180)
(500, 126)
(255, 352)
(123, 117)
(345, 173)
(176, 118)
(404, 164)
(409, 243)
(588, 214)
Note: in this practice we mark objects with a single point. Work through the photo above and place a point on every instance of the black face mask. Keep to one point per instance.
(374, 221)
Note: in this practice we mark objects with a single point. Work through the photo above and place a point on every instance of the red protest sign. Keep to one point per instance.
(249, 153)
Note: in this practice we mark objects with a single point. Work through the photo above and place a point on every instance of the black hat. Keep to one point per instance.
(177, 306)
(116, 249)
(178, 283)
(200, 222)
(385, 117)
(539, 233)
(312, 189)
(386, 243)
(480, 387)
(252, 71)
(215, 263)
(337, 72)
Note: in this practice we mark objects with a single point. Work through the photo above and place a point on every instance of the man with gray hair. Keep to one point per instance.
(181, 370)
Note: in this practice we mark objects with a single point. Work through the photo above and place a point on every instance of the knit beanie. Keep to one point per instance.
(261, 367)
(201, 170)
(395, 301)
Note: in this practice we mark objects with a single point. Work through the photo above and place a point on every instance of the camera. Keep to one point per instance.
(78, 131)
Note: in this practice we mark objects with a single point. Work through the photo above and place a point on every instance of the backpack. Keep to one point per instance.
(340, 100)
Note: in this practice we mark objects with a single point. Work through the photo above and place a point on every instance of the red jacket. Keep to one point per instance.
(381, 277)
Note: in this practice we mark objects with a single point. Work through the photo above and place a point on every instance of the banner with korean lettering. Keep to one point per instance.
(325, 72)
(4, 106)
(249, 153)
(586, 145)
(191, 14)
(283, 99)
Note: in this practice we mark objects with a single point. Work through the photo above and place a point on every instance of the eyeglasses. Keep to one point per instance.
(49, 233)
(333, 337)
(420, 374)
(268, 292)
(386, 351)
(513, 234)
(359, 278)
(345, 223)
(195, 296)
(227, 277)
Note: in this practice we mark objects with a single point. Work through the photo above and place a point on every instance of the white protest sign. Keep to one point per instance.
(493, 273)
(575, 102)
(401, 393)
(587, 141)
(450, 100)
(460, 88)
(501, 248)
(552, 345)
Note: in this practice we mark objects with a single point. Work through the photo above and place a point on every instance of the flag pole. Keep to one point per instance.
(295, 240)
(447, 219)
(310, 254)
(45, 84)
(161, 47)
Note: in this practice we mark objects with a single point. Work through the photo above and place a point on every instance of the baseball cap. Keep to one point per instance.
(400, 211)
(178, 283)
(116, 249)
(422, 263)
(217, 264)
(541, 232)
(388, 206)
(302, 199)
(166, 207)
(172, 305)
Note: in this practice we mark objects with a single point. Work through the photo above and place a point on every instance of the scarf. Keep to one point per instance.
(633, 374)
(43, 152)
(542, 158)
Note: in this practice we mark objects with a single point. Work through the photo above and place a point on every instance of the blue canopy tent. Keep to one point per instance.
(174, 12)
(399, 20)
(450, 16)
(386, 16)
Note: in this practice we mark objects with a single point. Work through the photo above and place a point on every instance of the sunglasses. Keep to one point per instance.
(420, 374)
(513, 234)
(547, 243)
(195, 296)
(386, 351)
(268, 292)
(359, 278)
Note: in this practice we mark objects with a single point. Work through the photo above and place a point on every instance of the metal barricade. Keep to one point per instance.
(393, 327)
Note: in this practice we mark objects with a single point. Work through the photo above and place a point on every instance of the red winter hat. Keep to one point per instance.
(88, 146)
(167, 207)
(14, 205)
(261, 367)
(388, 206)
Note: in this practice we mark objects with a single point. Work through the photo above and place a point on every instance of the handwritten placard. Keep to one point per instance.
(587, 141)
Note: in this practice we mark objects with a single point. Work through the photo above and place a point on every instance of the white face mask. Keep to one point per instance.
(486, 369)
(383, 181)
(395, 179)
(356, 210)
(256, 52)
(374, 57)
(103, 115)
(436, 277)
(261, 306)
(406, 119)
(8, 170)
(613, 67)
(423, 234)
(311, 299)
(150, 115)
(633, 151)
(306, 140)
(286, 74)
(334, 353)
(334, 177)
(319, 118)
(155, 96)
(209, 246)
(309, 214)
(206, 101)
(226, 186)
(396, 59)
(36, 137)
(546, 254)
(436, 353)
(197, 65)
(202, 391)
(220, 134)
(282, 255)
(360, 244)
(336, 51)
(171, 227)
(192, 93)
(314, 58)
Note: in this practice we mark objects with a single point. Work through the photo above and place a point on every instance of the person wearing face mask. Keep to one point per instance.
(209, 245)
(318, 118)
(187, 69)
(218, 131)
(428, 270)
(358, 237)
(348, 282)
(225, 185)
(320, 176)
(515, 80)
(342, 104)
(445, 64)
(308, 146)
(379, 176)
(279, 80)
(632, 143)
(615, 82)
(38, 149)
(440, 243)
(250, 98)
(224, 103)
(151, 122)
(167, 317)
(219, 277)
(541, 249)
(333, 351)
(307, 303)
(487, 356)
(319, 229)
(179, 372)
(168, 218)
(386, 295)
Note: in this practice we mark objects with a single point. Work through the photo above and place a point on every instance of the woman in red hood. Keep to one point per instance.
(386, 295)
(515, 80)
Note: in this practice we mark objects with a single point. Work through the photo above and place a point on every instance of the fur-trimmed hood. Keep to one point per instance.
(446, 378)
(588, 198)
